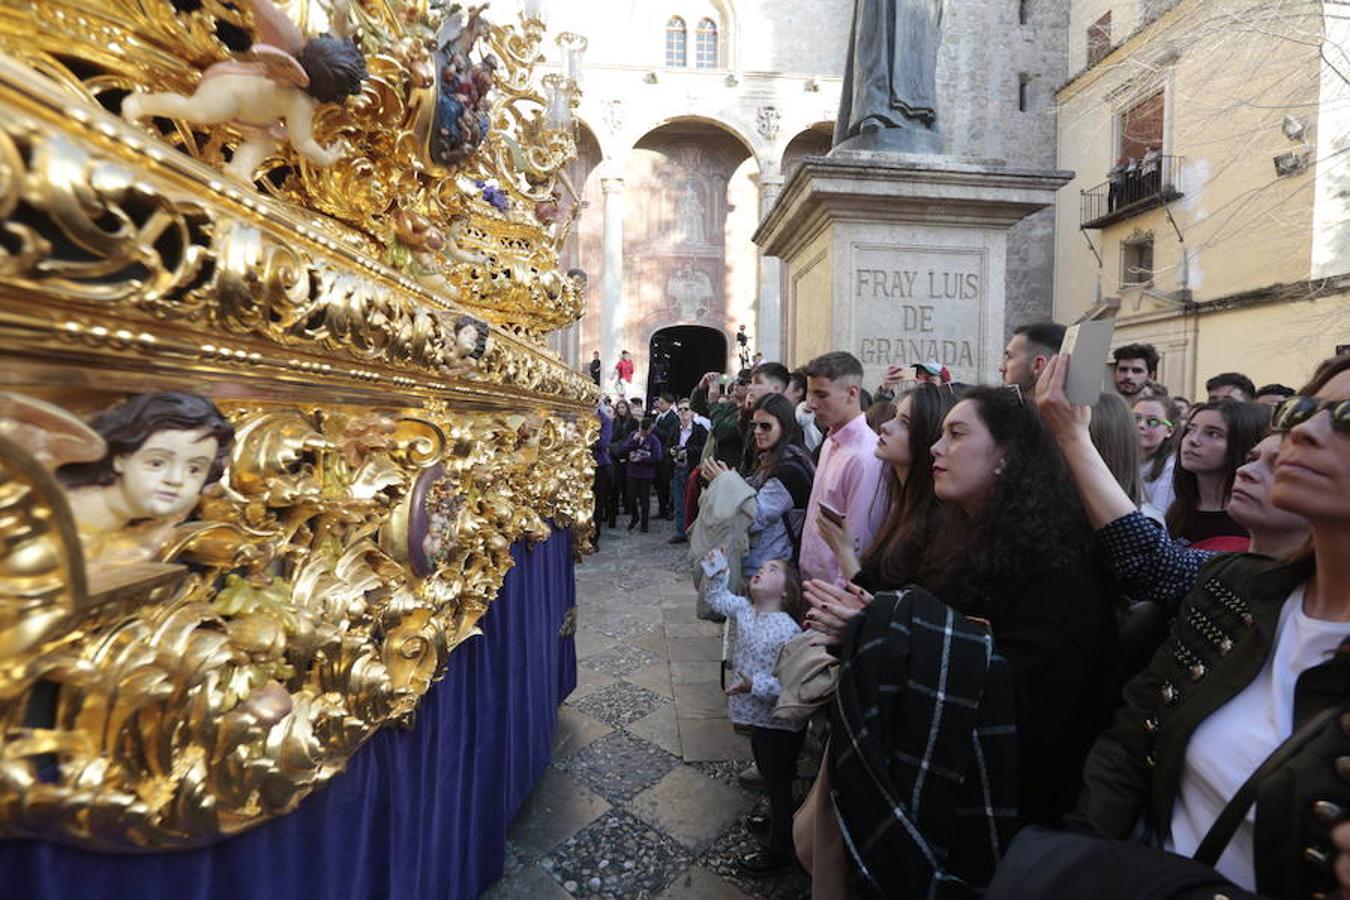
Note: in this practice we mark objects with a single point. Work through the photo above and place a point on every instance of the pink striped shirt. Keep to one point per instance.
(848, 478)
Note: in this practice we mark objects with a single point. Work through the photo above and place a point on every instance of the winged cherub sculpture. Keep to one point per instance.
(270, 92)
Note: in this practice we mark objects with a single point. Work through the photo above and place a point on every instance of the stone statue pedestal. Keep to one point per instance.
(899, 258)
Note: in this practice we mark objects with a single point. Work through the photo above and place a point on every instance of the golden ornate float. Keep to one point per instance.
(332, 379)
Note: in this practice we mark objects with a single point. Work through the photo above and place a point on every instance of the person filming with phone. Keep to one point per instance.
(849, 475)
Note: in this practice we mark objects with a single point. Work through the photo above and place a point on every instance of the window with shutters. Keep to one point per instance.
(676, 38)
(1099, 39)
(705, 46)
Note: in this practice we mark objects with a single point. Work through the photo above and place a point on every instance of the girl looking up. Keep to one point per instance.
(765, 622)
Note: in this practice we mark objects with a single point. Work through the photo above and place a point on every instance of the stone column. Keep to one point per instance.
(769, 310)
(611, 280)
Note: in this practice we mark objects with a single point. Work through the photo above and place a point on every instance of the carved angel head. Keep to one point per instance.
(335, 66)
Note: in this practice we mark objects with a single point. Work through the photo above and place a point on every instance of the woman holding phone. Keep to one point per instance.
(781, 475)
(1011, 547)
(904, 445)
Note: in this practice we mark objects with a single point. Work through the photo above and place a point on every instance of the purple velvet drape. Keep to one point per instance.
(417, 814)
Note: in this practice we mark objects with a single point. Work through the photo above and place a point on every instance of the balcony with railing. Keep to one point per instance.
(1130, 190)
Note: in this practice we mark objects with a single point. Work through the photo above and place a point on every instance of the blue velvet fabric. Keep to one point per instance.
(417, 814)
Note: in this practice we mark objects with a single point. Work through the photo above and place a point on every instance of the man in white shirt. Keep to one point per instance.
(848, 476)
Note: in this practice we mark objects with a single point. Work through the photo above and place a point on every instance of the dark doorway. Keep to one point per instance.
(681, 355)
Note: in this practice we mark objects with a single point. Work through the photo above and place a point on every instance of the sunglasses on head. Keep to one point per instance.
(1297, 410)
(763, 426)
(1152, 421)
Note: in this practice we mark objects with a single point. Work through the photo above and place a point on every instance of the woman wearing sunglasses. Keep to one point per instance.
(781, 474)
(1234, 745)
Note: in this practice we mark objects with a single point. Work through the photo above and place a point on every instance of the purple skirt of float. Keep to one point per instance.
(418, 814)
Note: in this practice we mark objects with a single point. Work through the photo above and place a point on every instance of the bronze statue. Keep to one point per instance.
(889, 98)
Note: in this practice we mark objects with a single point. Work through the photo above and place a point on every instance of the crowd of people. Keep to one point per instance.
(1065, 649)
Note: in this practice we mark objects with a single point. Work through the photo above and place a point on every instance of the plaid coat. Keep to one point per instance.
(923, 757)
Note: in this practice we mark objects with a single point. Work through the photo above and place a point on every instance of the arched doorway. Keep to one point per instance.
(680, 355)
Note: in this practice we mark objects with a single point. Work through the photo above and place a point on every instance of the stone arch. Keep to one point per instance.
(686, 249)
(681, 354)
(812, 141)
(742, 135)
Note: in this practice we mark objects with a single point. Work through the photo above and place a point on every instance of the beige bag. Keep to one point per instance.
(807, 676)
(819, 845)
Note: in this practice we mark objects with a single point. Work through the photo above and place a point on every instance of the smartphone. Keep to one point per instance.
(831, 513)
(1087, 343)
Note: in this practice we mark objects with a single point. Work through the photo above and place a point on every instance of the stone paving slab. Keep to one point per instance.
(558, 807)
(619, 766)
(694, 630)
(684, 614)
(697, 883)
(711, 739)
(655, 678)
(527, 883)
(621, 660)
(688, 649)
(653, 642)
(661, 728)
(588, 682)
(700, 700)
(695, 671)
(618, 856)
(690, 807)
(590, 642)
(575, 730)
(619, 703)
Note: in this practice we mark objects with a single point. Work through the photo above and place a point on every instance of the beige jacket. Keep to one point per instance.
(725, 510)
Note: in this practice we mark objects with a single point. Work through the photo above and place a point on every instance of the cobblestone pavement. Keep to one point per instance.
(641, 799)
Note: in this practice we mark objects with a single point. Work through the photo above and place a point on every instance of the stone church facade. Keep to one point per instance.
(693, 111)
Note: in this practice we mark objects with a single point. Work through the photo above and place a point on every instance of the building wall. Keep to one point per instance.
(1230, 74)
(778, 81)
(1280, 343)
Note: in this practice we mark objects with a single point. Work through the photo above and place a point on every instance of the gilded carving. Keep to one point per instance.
(267, 438)
(282, 624)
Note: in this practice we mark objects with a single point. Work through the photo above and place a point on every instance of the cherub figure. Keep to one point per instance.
(270, 92)
(160, 451)
(471, 342)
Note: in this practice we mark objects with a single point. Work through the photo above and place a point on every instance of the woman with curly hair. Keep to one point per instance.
(1013, 547)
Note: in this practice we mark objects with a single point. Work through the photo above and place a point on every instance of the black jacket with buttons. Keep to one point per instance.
(1219, 643)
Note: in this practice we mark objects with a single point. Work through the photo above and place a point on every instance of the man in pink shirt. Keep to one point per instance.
(849, 475)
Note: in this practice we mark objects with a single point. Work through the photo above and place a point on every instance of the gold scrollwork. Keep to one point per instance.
(229, 692)
(371, 331)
